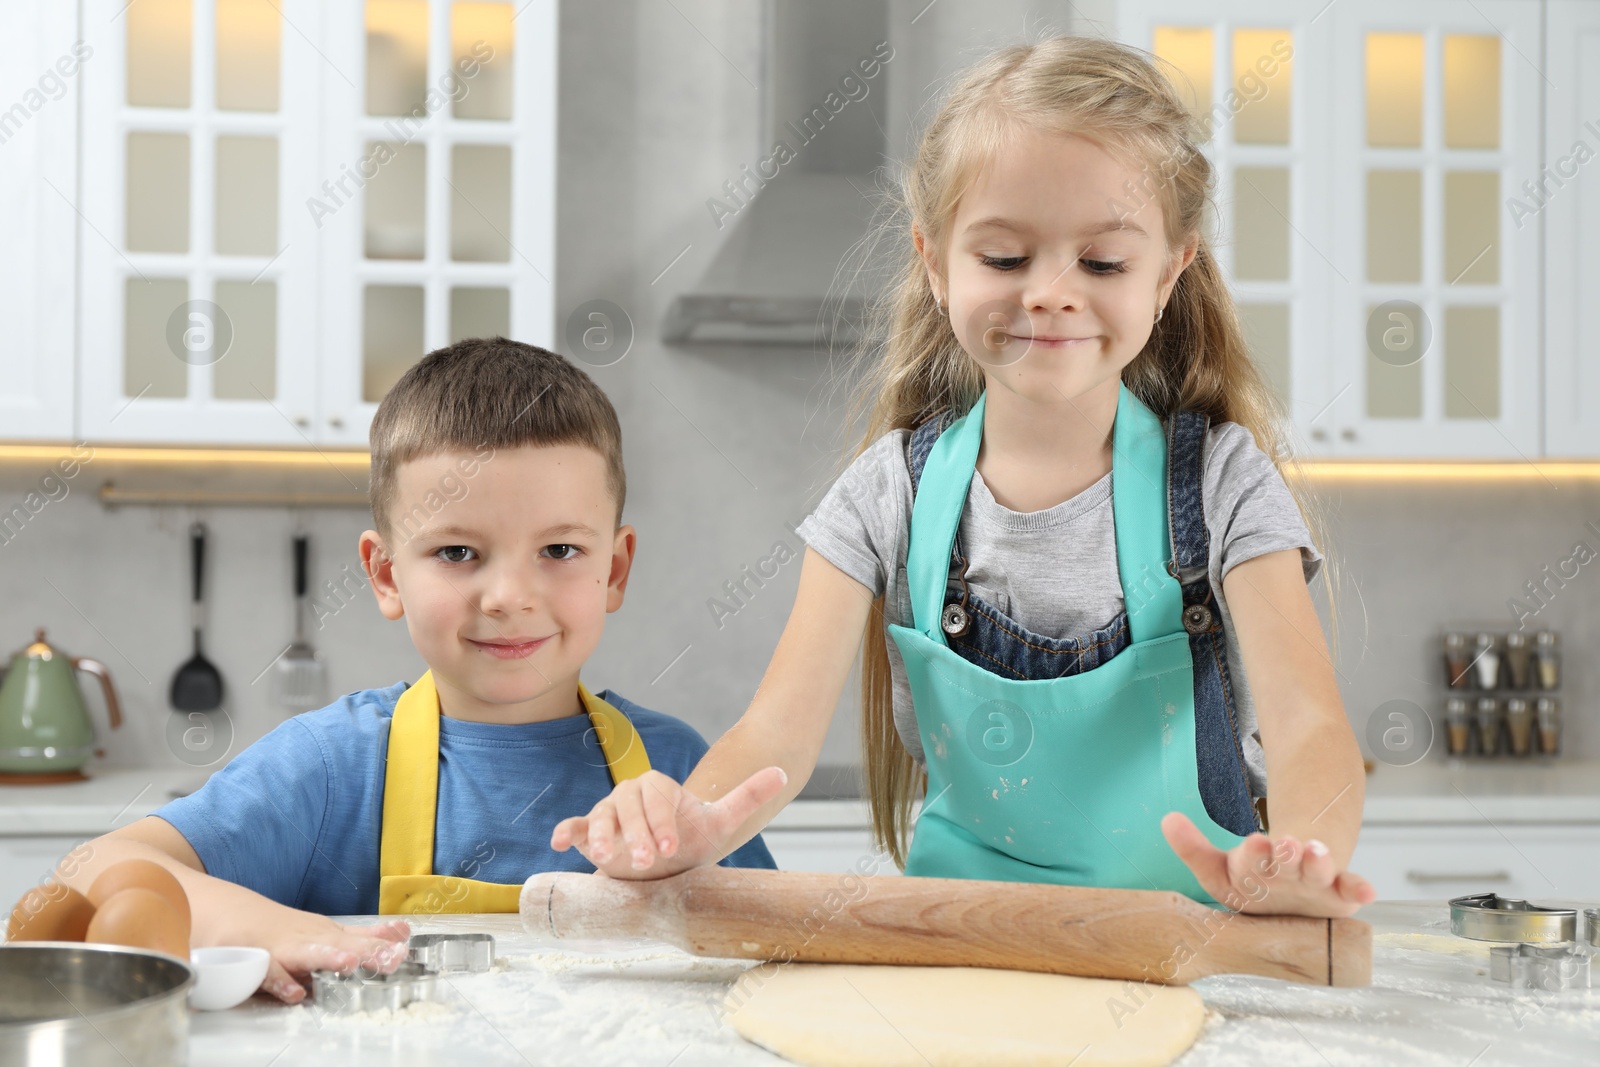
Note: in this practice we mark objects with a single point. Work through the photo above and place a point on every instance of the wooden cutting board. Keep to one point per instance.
(1137, 934)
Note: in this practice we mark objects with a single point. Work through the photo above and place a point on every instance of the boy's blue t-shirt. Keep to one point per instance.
(297, 815)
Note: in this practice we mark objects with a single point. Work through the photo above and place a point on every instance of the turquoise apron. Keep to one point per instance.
(1061, 780)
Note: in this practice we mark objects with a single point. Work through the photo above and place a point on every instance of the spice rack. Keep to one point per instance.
(1503, 693)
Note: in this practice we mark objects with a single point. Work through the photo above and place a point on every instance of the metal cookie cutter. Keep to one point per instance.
(1547, 967)
(452, 953)
(1489, 917)
(347, 993)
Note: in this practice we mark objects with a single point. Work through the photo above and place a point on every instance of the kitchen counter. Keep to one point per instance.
(1431, 1002)
(114, 797)
(1426, 792)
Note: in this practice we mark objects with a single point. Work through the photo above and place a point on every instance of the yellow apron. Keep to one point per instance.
(406, 883)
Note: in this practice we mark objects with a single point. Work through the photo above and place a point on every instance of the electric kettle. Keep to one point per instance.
(45, 732)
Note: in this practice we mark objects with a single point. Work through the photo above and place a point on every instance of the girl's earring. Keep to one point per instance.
(938, 302)
(1159, 309)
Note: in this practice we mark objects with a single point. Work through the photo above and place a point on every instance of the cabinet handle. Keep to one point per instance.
(1319, 434)
(301, 421)
(336, 422)
(1348, 434)
(1466, 876)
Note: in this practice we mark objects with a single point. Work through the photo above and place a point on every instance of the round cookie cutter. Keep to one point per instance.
(1490, 917)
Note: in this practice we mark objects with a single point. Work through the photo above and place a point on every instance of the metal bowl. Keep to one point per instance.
(68, 1002)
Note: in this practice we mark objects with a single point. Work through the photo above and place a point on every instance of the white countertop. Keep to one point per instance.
(1427, 792)
(1431, 1002)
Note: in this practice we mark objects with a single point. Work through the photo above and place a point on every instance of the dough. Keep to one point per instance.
(837, 1015)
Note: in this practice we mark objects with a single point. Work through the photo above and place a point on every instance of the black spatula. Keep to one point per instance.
(197, 686)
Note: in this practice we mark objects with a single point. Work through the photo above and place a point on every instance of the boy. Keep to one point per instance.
(497, 491)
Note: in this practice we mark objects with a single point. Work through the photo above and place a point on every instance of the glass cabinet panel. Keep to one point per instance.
(481, 41)
(1472, 362)
(479, 312)
(249, 35)
(247, 196)
(158, 192)
(1266, 330)
(150, 367)
(1191, 49)
(1472, 227)
(1394, 382)
(1394, 226)
(480, 203)
(158, 62)
(397, 56)
(248, 369)
(1394, 89)
(1264, 78)
(1471, 91)
(396, 209)
(1261, 223)
(391, 336)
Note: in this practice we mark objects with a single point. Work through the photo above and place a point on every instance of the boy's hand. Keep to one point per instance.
(664, 828)
(301, 942)
(1268, 876)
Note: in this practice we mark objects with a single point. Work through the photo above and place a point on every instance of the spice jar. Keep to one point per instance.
(1548, 710)
(1517, 661)
(1486, 662)
(1519, 725)
(1456, 661)
(1458, 726)
(1489, 718)
(1547, 651)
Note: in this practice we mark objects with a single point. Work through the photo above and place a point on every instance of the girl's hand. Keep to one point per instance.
(1268, 876)
(301, 942)
(664, 827)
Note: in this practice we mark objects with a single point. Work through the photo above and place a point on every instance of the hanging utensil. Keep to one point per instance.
(301, 674)
(198, 684)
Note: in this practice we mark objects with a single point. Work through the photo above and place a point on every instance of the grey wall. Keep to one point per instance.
(725, 448)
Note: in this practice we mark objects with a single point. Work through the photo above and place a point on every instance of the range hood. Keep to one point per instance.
(794, 215)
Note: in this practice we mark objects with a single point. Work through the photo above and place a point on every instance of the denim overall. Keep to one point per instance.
(1054, 759)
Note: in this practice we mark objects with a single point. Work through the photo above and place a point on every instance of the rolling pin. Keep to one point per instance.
(1137, 934)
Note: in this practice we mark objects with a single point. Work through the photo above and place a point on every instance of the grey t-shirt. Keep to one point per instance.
(1054, 571)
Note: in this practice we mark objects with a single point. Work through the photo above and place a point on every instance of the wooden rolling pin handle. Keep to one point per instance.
(1135, 934)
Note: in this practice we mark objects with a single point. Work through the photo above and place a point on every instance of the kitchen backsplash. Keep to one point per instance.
(1415, 559)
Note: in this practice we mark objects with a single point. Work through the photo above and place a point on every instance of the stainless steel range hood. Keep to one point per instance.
(795, 213)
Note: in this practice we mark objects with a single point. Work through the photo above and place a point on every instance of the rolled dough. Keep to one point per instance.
(836, 1015)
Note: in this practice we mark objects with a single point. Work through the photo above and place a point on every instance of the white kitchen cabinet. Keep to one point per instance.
(1566, 199)
(28, 861)
(1439, 125)
(1365, 151)
(284, 205)
(830, 851)
(41, 66)
(1516, 860)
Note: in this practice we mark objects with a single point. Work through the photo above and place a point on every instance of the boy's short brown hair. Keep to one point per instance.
(495, 393)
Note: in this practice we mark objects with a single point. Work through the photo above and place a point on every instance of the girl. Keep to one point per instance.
(1064, 536)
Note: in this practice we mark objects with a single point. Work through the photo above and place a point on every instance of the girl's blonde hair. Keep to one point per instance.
(1196, 358)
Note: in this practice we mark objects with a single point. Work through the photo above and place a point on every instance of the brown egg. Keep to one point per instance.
(50, 912)
(141, 918)
(145, 874)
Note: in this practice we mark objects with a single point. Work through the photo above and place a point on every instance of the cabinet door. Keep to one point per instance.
(1439, 862)
(1436, 342)
(437, 219)
(1257, 76)
(836, 851)
(29, 861)
(198, 285)
(1566, 198)
(41, 63)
